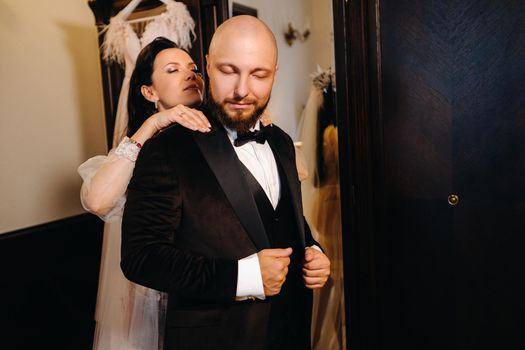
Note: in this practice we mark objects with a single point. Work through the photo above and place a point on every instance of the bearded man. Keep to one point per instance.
(216, 219)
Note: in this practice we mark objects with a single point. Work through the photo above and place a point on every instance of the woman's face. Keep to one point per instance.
(176, 80)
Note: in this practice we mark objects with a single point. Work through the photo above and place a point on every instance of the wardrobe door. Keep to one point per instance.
(444, 145)
(454, 142)
(415, 252)
(488, 157)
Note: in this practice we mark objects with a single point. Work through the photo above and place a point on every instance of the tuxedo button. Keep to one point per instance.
(276, 219)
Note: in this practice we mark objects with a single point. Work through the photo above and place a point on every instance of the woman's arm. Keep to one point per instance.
(106, 178)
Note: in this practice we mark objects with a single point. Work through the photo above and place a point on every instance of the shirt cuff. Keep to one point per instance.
(315, 247)
(249, 279)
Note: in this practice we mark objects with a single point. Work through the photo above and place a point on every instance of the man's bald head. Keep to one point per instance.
(241, 64)
(241, 28)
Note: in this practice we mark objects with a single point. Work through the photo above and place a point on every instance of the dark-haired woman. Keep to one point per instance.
(165, 84)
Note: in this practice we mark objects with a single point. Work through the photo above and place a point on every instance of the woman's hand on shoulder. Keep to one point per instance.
(188, 117)
(265, 118)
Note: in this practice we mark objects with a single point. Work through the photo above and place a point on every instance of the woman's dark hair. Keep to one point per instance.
(140, 109)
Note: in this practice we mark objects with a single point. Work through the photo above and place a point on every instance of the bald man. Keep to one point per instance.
(216, 219)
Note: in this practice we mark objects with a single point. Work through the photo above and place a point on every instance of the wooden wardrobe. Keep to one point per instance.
(431, 110)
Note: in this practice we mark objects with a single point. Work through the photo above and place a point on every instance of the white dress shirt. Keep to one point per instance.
(260, 161)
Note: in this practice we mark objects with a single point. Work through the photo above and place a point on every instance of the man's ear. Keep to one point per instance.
(149, 93)
(208, 64)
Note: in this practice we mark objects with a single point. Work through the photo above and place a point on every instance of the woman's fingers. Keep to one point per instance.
(265, 118)
(192, 118)
(187, 117)
(202, 117)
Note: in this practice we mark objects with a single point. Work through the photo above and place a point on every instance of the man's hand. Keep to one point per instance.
(316, 268)
(274, 267)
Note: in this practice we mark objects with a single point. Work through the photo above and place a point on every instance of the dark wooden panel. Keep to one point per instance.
(417, 116)
(350, 25)
(49, 278)
(416, 275)
(437, 107)
(416, 261)
(341, 38)
(488, 99)
(453, 123)
(490, 282)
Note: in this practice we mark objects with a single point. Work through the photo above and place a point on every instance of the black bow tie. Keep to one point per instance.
(258, 136)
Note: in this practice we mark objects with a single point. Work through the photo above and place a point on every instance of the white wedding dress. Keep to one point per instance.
(129, 316)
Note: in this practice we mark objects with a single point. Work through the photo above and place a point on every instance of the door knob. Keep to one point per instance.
(453, 199)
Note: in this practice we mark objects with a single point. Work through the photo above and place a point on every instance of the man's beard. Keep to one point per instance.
(241, 125)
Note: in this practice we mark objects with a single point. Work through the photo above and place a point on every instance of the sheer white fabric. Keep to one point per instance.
(129, 316)
(323, 213)
(88, 169)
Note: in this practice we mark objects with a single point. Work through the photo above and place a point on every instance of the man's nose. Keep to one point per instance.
(241, 88)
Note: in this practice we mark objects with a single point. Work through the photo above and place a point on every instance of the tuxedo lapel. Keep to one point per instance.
(220, 155)
(286, 160)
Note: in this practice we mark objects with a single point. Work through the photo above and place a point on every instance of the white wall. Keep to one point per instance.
(52, 110)
(298, 61)
(322, 33)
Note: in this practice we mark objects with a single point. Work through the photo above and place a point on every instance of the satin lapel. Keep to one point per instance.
(281, 150)
(220, 155)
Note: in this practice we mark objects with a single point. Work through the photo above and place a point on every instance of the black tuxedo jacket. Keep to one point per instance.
(189, 217)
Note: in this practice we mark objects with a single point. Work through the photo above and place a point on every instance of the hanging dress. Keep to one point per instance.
(321, 203)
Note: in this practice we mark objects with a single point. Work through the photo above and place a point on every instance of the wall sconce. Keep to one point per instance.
(293, 34)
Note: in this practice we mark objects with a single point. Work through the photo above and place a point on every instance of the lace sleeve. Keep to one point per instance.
(89, 169)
